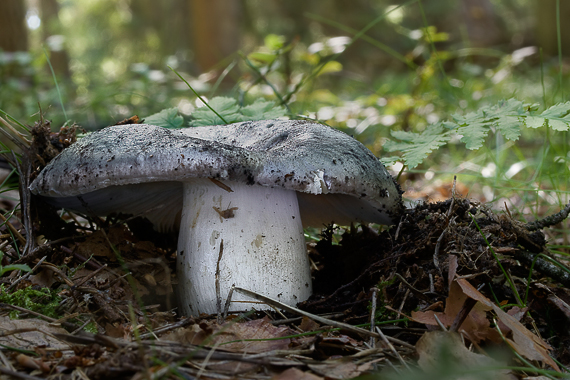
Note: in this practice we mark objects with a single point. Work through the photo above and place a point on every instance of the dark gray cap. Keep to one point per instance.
(139, 169)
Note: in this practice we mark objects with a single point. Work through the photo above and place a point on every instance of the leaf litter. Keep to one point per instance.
(451, 275)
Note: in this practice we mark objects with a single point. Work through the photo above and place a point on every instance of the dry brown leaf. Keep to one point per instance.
(295, 374)
(32, 363)
(342, 368)
(476, 324)
(117, 330)
(517, 313)
(29, 340)
(211, 334)
(434, 344)
(524, 342)
(307, 324)
(453, 265)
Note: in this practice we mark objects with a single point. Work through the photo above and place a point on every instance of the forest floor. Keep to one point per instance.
(453, 290)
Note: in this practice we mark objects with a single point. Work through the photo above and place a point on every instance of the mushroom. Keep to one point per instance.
(239, 194)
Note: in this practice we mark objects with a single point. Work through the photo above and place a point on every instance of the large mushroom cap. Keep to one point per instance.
(138, 168)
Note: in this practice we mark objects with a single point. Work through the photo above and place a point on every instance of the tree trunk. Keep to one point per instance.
(482, 24)
(215, 26)
(13, 31)
(168, 19)
(53, 40)
(546, 36)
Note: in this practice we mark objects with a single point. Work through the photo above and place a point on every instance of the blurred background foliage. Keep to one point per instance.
(364, 66)
(111, 56)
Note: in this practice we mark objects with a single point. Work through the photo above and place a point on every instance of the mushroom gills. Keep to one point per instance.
(159, 202)
(263, 246)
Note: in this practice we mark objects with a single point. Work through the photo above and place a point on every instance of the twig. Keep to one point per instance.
(207, 359)
(228, 302)
(24, 177)
(27, 275)
(217, 276)
(441, 325)
(463, 313)
(373, 314)
(5, 361)
(90, 276)
(398, 229)
(387, 342)
(545, 265)
(15, 136)
(452, 197)
(36, 314)
(13, 229)
(414, 290)
(183, 323)
(80, 328)
(440, 239)
(549, 220)
(402, 303)
(436, 251)
(316, 318)
(18, 375)
(59, 272)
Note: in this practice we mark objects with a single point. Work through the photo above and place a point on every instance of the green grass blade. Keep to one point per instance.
(56, 85)
(197, 95)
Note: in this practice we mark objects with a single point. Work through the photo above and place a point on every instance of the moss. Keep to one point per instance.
(43, 301)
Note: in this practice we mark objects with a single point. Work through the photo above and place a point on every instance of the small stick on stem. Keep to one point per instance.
(218, 296)
(373, 315)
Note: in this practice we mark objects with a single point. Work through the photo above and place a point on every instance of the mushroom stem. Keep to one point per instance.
(263, 245)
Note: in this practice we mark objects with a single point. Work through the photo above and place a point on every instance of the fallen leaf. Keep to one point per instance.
(31, 363)
(476, 324)
(295, 374)
(453, 265)
(236, 337)
(307, 324)
(442, 351)
(342, 368)
(37, 334)
(524, 342)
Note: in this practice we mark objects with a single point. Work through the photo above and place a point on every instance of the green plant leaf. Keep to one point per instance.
(474, 134)
(557, 111)
(558, 125)
(262, 109)
(330, 67)
(557, 117)
(505, 117)
(274, 41)
(534, 121)
(391, 160)
(509, 127)
(167, 118)
(226, 107)
(261, 57)
(11, 267)
(417, 146)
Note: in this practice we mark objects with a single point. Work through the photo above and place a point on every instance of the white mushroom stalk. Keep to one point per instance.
(252, 185)
(263, 246)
